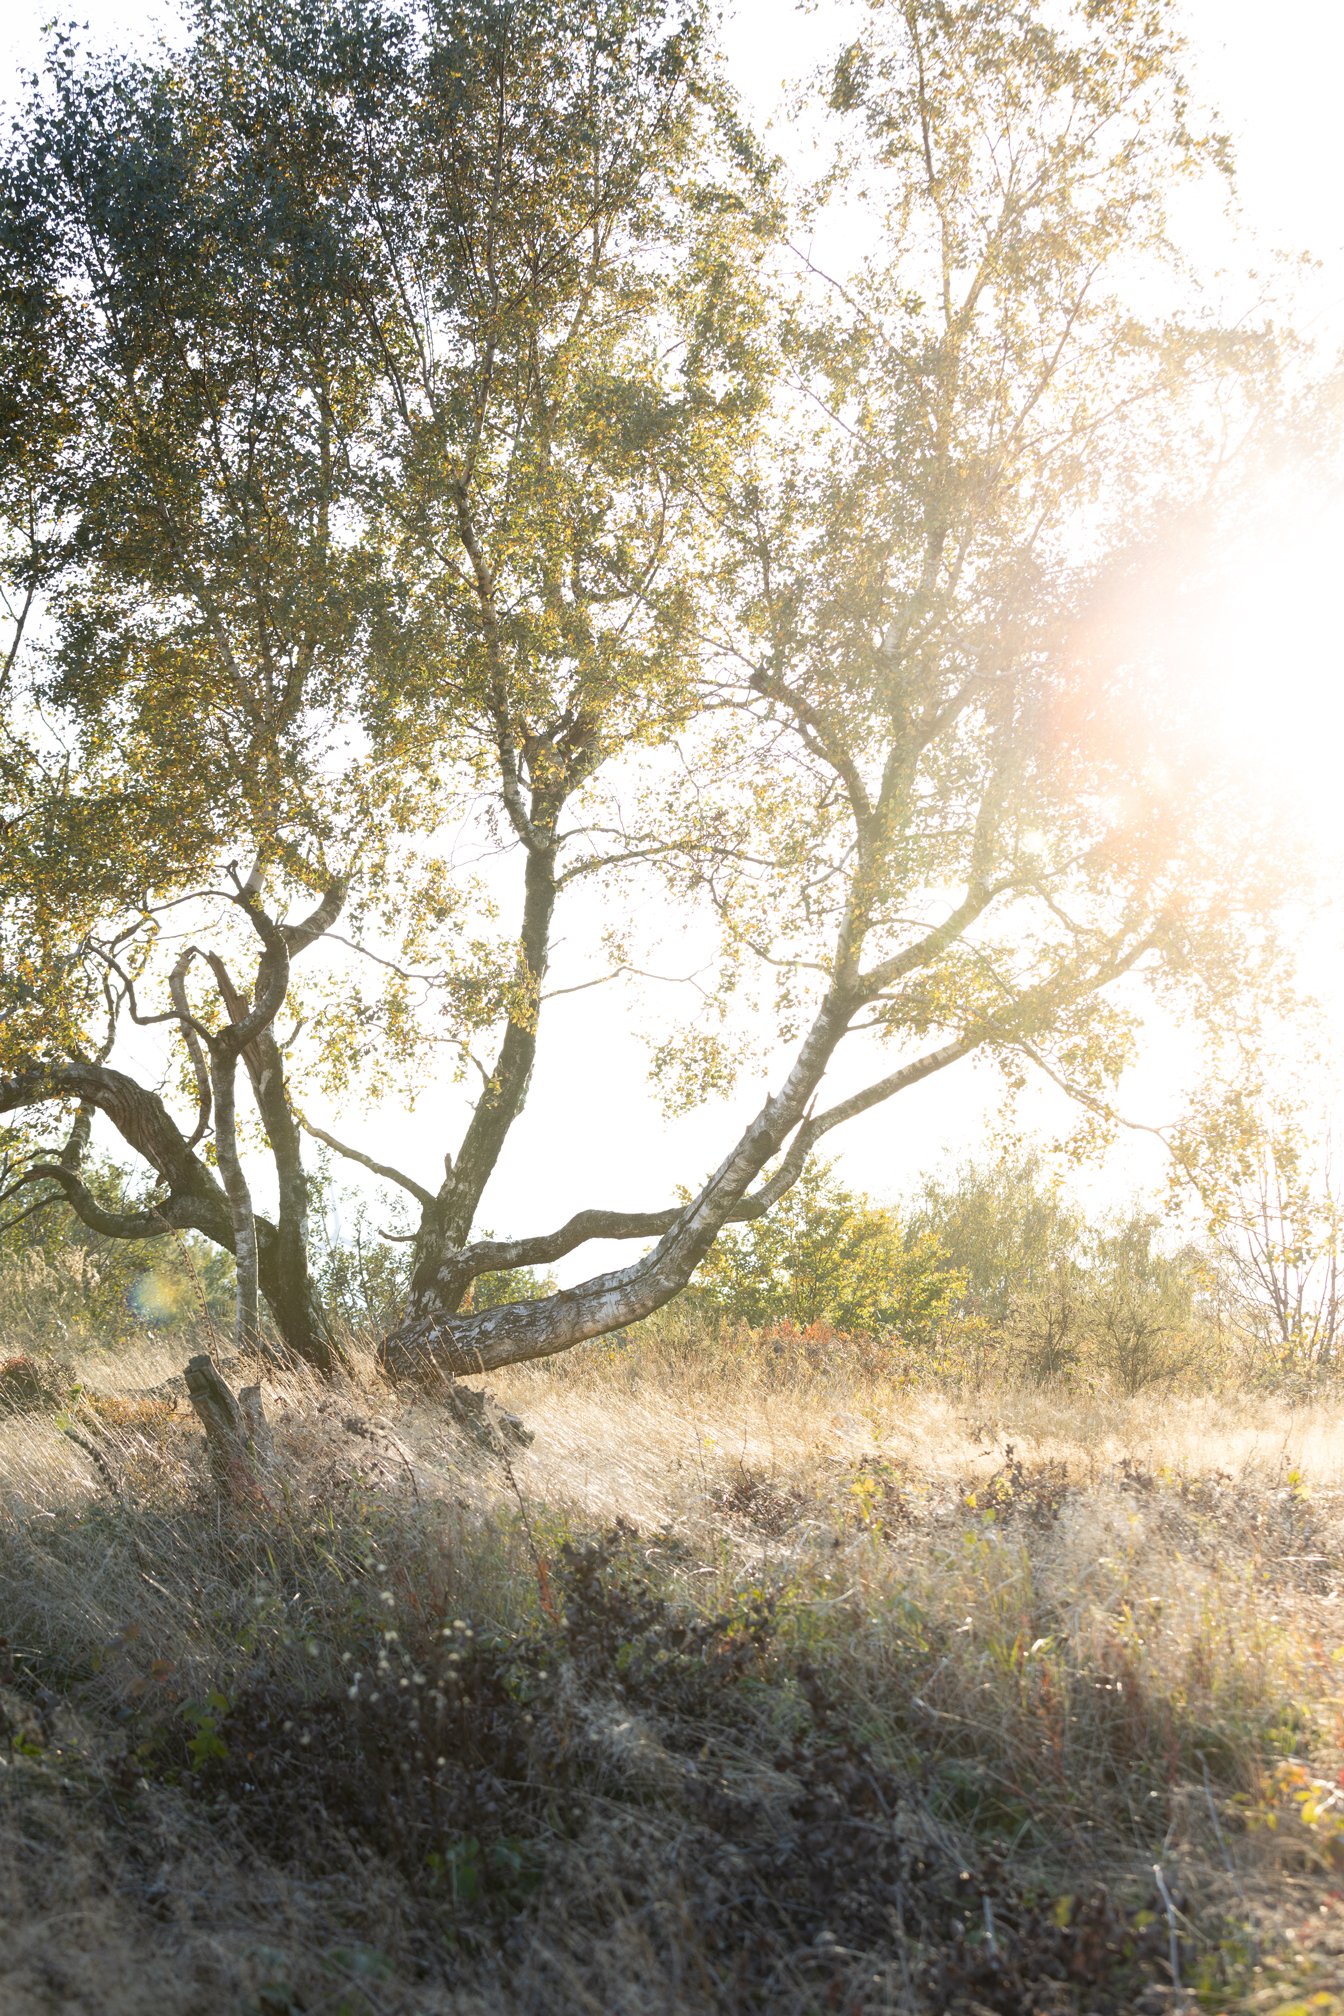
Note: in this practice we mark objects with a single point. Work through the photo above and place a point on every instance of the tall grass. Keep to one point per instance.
(757, 1682)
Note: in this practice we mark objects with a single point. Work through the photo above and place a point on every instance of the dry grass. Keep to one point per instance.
(878, 1701)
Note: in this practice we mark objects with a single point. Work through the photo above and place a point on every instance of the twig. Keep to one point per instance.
(1232, 1869)
(1173, 1936)
(522, 1508)
(96, 1457)
(1218, 1825)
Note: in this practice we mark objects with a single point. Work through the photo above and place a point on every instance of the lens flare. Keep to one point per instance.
(157, 1297)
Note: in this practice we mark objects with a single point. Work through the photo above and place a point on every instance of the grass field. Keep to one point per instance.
(746, 1686)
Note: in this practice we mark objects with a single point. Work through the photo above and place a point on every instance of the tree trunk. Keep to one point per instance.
(299, 1315)
(285, 1275)
(452, 1343)
(436, 1281)
(247, 1318)
(287, 1278)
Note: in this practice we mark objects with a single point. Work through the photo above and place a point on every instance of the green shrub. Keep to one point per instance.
(826, 1255)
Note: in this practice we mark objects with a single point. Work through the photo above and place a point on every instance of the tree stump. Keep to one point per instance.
(481, 1418)
(237, 1434)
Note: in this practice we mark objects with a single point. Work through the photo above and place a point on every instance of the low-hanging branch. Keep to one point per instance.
(497, 1256)
(453, 1343)
(151, 1223)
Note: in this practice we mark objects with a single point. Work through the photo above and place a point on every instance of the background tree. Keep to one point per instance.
(1140, 1304)
(1006, 1227)
(1056, 1295)
(1277, 1259)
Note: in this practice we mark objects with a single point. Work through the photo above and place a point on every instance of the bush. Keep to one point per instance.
(1141, 1313)
(826, 1255)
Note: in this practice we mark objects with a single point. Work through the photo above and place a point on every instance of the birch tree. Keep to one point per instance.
(434, 418)
(383, 351)
(952, 816)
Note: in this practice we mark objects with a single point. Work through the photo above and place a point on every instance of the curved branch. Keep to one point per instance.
(384, 1169)
(153, 1223)
(138, 1115)
(954, 926)
(496, 1256)
(818, 732)
(195, 1201)
(191, 1036)
(272, 979)
(298, 937)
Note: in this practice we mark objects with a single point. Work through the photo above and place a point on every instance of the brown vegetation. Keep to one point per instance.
(752, 1684)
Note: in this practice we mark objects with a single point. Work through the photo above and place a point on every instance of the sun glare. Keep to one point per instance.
(1264, 646)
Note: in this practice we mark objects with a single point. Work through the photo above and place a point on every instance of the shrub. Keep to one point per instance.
(826, 1255)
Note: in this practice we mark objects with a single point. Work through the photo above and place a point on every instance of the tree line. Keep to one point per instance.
(989, 1275)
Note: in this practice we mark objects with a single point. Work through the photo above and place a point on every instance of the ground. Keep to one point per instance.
(748, 1685)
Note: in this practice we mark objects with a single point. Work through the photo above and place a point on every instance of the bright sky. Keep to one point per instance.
(1271, 647)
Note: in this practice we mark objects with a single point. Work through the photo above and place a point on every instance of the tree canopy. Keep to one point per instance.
(427, 421)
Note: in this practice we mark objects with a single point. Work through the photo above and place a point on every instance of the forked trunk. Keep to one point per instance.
(453, 1343)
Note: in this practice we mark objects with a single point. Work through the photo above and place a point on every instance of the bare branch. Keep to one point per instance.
(422, 1196)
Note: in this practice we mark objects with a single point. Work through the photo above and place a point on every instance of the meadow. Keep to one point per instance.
(756, 1680)
(527, 574)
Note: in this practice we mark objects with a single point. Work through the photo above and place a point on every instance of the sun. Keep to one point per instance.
(1262, 643)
